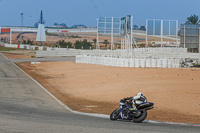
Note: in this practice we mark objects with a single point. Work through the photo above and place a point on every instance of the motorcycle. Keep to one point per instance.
(137, 115)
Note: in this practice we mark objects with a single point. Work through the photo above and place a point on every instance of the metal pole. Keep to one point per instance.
(128, 46)
(177, 33)
(125, 45)
(10, 36)
(97, 45)
(146, 34)
(184, 36)
(161, 33)
(21, 28)
(105, 27)
(121, 46)
(199, 38)
(131, 37)
(169, 27)
(112, 38)
(154, 26)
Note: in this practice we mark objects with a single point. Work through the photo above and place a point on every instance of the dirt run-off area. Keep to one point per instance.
(98, 89)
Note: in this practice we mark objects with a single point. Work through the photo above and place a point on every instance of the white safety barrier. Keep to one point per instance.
(164, 49)
(25, 46)
(179, 53)
(149, 49)
(10, 46)
(102, 52)
(120, 62)
(117, 53)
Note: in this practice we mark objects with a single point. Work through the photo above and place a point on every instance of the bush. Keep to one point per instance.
(74, 36)
(64, 44)
(83, 44)
(30, 42)
(142, 45)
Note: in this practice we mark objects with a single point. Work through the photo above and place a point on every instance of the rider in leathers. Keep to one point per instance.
(139, 98)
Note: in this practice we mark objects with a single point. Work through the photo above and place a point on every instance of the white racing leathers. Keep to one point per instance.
(139, 99)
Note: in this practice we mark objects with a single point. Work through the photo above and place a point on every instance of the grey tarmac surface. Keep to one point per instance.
(53, 59)
(26, 108)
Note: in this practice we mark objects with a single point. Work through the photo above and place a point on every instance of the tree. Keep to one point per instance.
(86, 44)
(36, 24)
(64, 44)
(106, 42)
(55, 24)
(63, 24)
(30, 42)
(143, 28)
(193, 19)
(77, 44)
(24, 42)
(82, 44)
(95, 42)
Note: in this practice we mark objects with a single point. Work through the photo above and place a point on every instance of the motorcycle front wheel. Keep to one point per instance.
(114, 115)
(139, 116)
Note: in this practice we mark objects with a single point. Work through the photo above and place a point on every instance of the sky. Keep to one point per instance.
(88, 11)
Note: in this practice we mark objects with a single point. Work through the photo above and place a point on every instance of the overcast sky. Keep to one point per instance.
(87, 11)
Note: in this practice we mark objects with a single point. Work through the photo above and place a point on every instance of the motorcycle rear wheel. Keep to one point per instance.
(114, 115)
(142, 116)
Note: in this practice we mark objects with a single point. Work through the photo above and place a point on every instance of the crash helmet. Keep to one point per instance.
(140, 94)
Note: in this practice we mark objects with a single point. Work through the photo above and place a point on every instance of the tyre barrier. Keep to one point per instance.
(121, 62)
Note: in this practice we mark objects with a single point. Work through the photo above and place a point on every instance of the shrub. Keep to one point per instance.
(64, 44)
(82, 44)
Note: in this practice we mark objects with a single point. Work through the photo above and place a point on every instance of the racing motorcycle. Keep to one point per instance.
(138, 115)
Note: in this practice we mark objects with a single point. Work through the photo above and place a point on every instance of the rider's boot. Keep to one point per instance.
(133, 108)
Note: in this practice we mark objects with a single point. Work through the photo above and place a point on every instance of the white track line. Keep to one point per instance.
(93, 114)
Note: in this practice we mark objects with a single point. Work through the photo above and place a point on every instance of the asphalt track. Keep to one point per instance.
(26, 108)
(51, 59)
